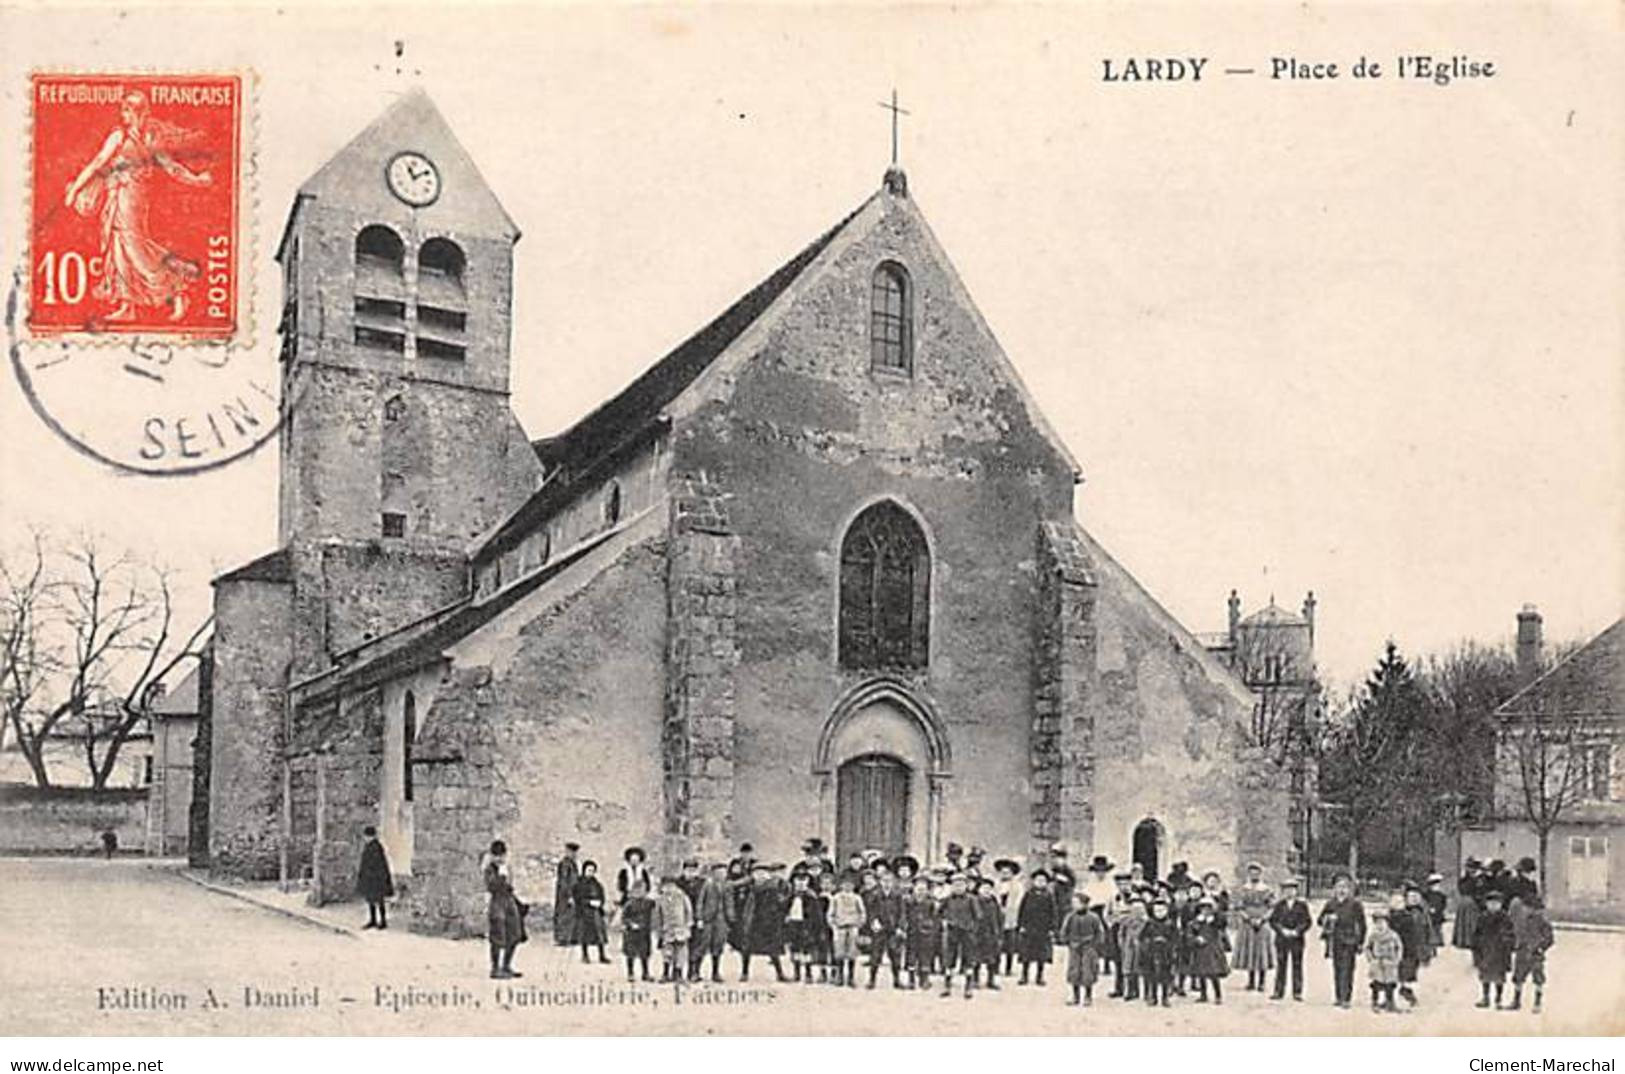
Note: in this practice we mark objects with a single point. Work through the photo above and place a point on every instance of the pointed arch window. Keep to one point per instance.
(885, 598)
(890, 319)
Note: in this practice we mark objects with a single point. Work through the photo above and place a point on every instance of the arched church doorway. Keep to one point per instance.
(1148, 847)
(872, 805)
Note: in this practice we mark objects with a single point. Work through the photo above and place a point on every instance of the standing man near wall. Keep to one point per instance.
(1342, 923)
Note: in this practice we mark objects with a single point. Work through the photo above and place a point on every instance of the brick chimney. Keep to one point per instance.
(1235, 615)
(1309, 614)
(1529, 642)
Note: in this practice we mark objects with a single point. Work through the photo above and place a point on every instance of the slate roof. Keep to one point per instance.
(180, 701)
(1591, 682)
(640, 402)
(272, 567)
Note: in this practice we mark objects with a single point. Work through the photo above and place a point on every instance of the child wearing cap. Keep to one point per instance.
(1038, 922)
(1494, 939)
(1342, 924)
(1155, 957)
(1208, 943)
(959, 914)
(637, 917)
(799, 927)
(1128, 943)
(1383, 950)
(1183, 912)
(1408, 917)
(1533, 938)
(924, 939)
(885, 911)
(673, 923)
(1010, 890)
(1083, 934)
(989, 931)
(845, 921)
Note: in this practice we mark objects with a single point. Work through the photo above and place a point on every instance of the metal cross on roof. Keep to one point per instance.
(895, 112)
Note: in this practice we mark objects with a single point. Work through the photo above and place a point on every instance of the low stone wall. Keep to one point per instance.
(70, 820)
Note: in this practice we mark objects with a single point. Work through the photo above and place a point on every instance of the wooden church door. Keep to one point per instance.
(872, 806)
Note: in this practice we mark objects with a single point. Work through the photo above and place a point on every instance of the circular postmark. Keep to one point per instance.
(146, 406)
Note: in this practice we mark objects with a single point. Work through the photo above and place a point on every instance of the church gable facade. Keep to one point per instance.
(814, 573)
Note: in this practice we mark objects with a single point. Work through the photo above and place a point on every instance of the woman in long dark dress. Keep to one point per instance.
(762, 922)
(564, 891)
(591, 930)
(505, 924)
(1469, 904)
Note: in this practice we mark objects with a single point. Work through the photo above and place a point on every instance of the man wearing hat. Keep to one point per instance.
(1290, 922)
(1469, 904)
(691, 880)
(713, 919)
(1434, 898)
(564, 887)
(1099, 886)
(885, 923)
(1009, 889)
(1523, 886)
(815, 858)
(762, 920)
(1342, 922)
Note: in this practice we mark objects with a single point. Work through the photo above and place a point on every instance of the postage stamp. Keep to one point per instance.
(135, 204)
(140, 239)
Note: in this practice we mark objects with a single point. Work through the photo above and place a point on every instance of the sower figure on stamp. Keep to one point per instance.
(373, 881)
(1290, 922)
(505, 924)
(564, 891)
(137, 270)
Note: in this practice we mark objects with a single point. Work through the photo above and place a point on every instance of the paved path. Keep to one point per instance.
(92, 947)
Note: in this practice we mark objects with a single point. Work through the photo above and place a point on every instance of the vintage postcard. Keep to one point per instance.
(823, 519)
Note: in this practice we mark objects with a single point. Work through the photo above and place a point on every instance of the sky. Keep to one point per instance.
(1360, 337)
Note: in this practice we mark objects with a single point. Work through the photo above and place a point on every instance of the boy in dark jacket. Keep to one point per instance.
(924, 928)
(1290, 922)
(1036, 922)
(373, 881)
(989, 930)
(1493, 942)
(884, 911)
(1533, 937)
(1156, 955)
(960, 912)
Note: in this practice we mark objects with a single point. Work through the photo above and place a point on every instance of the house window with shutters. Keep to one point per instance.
(885, 597)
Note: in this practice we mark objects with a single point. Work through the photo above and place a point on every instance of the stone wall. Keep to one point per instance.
(701, 656)
(253, 638)
(70, 820)
(547, 727)
(347, 781)
(1063, 722)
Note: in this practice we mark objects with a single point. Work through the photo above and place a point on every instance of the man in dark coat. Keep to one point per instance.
(1523, 886)
(373, 881)
(762, 921)
(989, 929)
(1290, 922)
(1063, 881)
(564, 892)
(1342, 923)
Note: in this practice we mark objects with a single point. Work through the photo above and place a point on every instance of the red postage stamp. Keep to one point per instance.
(134, 227)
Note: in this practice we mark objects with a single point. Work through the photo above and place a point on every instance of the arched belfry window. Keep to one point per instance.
(890, 322)
(885, 612)
(378, 248)
(442, 260)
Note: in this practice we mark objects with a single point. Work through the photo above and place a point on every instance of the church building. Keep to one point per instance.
(814, 572)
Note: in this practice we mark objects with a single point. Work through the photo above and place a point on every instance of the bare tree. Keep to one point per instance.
(1547, 762)
(1463, 687)
(96, 639)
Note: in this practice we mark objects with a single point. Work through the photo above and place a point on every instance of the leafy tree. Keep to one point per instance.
(1371, 766)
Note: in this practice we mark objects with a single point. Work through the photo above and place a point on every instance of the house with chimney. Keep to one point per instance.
(1559, 784)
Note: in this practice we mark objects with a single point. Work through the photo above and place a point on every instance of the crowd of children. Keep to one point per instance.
(969, 923)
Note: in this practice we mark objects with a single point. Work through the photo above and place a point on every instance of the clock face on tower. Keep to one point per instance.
(413, 178)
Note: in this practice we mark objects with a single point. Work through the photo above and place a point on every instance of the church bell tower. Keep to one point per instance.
(398, 444)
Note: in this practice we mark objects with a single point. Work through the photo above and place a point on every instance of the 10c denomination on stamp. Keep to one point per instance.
(135, 205)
